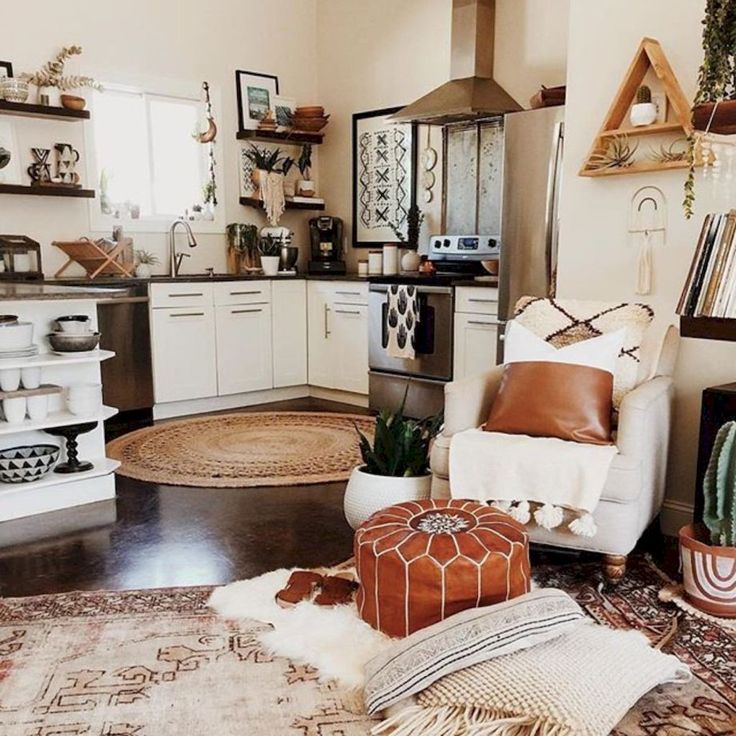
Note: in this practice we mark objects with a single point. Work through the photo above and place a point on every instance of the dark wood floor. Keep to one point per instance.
(160, 536)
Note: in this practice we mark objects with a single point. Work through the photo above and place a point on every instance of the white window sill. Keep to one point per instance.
(104, 224)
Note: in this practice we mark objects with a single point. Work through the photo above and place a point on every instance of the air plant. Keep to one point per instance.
(264, 159)
(51, 74)
(147, 258)
(668, 154)
(305, 161)
(617, 154)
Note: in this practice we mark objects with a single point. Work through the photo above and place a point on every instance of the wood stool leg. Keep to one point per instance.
(614, 567)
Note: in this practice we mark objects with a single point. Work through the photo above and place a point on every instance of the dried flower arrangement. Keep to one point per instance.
(51, 74)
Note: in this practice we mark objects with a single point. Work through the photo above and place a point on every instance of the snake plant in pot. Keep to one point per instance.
(707, 551)
(395, 465)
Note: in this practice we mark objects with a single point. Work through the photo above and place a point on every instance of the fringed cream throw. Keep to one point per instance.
(535, 479)
(579, 684)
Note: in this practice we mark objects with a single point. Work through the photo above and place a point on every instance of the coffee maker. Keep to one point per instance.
(325, 233)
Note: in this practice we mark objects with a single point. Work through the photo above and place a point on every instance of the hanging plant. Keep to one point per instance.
(714, 107)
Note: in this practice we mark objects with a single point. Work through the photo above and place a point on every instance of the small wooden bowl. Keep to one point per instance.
(72, 102)
(309, 112)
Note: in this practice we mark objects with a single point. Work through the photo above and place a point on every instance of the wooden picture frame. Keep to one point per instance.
(368, 228)
(8, 67)
(254, 100)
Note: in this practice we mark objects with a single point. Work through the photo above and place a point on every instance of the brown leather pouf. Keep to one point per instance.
(421, 561)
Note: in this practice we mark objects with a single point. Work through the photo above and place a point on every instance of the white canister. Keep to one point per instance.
(22, 262)
(362, 268)
(38, 407)
(14, 409)
(375, 263)
(30, 376)
(390, 259)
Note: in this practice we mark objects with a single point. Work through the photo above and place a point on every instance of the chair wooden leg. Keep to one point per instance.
(614, 567)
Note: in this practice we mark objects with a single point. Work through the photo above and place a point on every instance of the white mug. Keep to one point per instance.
(38, 407)
(10, 379)
(15, 409)
(30, 376)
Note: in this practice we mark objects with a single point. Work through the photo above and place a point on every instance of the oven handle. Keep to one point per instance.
(383, 288)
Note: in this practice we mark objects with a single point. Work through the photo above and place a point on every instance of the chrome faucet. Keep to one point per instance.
(175, 258)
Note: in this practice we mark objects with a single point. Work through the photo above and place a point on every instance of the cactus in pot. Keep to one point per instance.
(707, 552)
(643, 111)
(643, 95)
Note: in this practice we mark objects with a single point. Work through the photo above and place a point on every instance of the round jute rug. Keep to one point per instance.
(244, 449)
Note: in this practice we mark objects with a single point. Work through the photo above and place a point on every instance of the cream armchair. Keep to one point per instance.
(634, 490)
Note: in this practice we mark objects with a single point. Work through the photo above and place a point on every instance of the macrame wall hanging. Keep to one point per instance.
(208, 138)
(647, 227)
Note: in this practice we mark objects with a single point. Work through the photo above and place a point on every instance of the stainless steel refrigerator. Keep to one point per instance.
(533, 142)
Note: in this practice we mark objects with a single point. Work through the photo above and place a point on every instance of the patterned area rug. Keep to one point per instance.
(244, 449)
(158, 663)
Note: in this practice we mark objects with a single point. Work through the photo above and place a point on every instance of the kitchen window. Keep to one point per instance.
(148, 166)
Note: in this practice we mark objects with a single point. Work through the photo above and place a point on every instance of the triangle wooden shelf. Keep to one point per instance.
(649, 55)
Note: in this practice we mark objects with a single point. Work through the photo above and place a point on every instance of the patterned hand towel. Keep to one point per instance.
(579, 684)
(402, 315)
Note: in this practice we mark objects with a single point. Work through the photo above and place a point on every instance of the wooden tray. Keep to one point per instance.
(45, 389)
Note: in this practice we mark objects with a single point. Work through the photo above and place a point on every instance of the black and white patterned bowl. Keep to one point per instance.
(26, 464)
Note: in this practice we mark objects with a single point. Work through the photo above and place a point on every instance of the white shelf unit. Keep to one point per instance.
(56, 490)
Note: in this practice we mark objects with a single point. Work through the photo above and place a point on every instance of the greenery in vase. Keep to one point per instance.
(242, 238)
(400, 446)
(305, 161)
(265, 159)
(269, 246)
(146, 258)
(287, 163)
(717, 74)
(51, 74)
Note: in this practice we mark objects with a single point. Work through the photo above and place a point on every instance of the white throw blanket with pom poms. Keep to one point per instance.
(535, 479)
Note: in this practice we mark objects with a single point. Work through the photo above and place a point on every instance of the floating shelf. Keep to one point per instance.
(102, 466)
(653, 129)
(41, 111)
(56, 419)
(272, 136)
(638, 168)
(47, 191)
(253, 202)
(708, 328)
(55, 361)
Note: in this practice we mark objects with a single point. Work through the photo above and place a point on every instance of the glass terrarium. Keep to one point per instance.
(20, 258)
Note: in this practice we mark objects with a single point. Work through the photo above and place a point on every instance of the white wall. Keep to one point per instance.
(596, 259)
(180, 40)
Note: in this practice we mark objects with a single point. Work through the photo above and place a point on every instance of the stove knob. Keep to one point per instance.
(492, 243)
(446, 242)
(437, 244)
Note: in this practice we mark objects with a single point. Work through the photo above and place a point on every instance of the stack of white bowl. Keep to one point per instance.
(16, 338)
(84, 399)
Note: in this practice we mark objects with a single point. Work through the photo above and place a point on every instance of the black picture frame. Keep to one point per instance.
(8, 66)
(357, 118)
(238, 91)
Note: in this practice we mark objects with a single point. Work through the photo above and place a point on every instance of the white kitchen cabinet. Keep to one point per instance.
(289, 333)
(338, 335)
(475, 344)
(244, 354)
(183, 350)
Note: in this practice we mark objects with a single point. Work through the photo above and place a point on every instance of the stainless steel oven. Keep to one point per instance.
(427, 373)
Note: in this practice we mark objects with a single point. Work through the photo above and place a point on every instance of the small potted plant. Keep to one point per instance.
(707, 551)
(305, 186)
(644, 111)
(411, 259)
(264, 162)
(395, 466)
(50, 77)
(143, 262)
(270, 249)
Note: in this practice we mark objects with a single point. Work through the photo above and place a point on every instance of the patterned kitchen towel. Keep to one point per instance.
(402, 316)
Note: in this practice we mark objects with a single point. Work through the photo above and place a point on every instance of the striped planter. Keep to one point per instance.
(709, 573)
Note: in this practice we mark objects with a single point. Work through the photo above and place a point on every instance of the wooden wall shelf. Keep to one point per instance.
(42, 111)
(708, 328)
(46, 191)
(637, 168)
(266, 136)
(253, 202)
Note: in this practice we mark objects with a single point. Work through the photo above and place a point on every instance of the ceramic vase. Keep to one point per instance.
(143, 271)
(368, 493)
(390, 259)
(257, 177)
(270, 265)
(305, 188)
(643, 113)
(410, 261)
(708, 573)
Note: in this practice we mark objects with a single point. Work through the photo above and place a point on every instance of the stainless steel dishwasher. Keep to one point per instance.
(127, 379)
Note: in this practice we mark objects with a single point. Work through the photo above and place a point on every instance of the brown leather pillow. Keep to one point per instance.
(541, 399)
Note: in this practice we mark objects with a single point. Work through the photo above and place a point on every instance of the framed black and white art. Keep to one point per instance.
(384, 176)
(255, 93)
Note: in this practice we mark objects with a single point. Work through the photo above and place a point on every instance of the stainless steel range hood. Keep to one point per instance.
(472, 92)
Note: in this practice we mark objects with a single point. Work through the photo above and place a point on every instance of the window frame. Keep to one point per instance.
(151, 89)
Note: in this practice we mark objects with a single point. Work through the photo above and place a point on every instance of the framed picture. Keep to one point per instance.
(6, 69)
(384, 176)
(283, 111)
(10, 167)
(255, 92)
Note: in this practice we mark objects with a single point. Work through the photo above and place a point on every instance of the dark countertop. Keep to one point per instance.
(45, 291)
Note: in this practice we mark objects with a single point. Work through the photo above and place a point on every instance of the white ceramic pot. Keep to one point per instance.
(643, 113)
(410, 261)
(270, 265)
(375, 263)
(10, 379)
(366, 494)
(38, 407)
(84, 399)
(30, 377)
(52, 93)
(305, 188)
(390, 260)
(17, 336)
(143, 271)
(14, 409)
